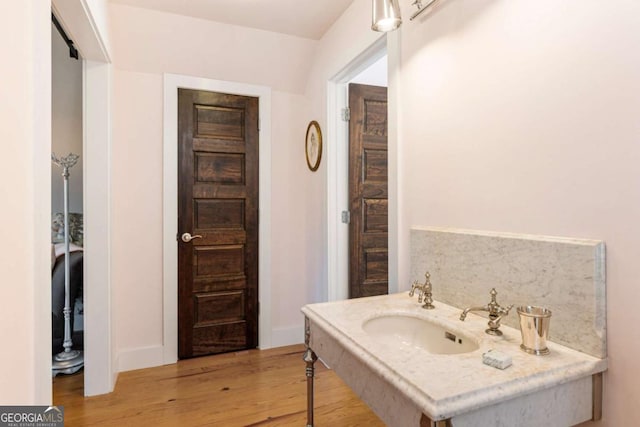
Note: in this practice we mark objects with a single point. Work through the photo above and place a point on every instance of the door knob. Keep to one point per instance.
(187, 237)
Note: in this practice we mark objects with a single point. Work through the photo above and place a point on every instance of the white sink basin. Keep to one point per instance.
(407, 331)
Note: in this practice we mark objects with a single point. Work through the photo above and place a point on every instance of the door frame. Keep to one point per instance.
(338, 165)
(170, 204)
(83, 23)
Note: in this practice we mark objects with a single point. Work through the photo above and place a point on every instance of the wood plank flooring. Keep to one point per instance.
(249, 388)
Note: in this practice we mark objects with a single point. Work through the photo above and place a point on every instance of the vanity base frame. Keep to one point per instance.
(309, 358)
(427, 422)
(565, 404)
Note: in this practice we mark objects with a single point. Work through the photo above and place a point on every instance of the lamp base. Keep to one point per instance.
(67, 362)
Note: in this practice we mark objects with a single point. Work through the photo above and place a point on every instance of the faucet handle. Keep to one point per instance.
(505, 311)
(493, 306)
(426, 288)
(414, 286)
(424, 291)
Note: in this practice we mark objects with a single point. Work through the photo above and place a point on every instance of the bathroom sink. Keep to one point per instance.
(408, 331)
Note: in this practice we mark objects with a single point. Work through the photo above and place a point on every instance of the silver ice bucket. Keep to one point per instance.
(534, 327)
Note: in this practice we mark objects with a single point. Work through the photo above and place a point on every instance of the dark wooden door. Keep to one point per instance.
(368, 238)
(218, 200)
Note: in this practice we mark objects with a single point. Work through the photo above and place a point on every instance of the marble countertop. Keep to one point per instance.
(444, 386)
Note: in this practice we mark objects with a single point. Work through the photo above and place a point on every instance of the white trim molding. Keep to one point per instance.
(398, 256)
(81, 20)
(170, 204)
(99, 344)
(141, 357)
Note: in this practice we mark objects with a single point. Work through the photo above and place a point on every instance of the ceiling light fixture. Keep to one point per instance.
(421, 8)
(386, 15)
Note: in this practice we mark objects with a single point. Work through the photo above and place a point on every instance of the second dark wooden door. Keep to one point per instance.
(218, 200)
(368, 237)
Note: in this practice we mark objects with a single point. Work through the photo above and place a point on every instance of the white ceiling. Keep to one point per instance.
(303, 18)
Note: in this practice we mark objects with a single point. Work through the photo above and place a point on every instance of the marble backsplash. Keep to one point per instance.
(564, 275)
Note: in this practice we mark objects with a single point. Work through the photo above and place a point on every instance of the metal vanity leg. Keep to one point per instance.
(310, 359)
(427, 422)
(597, 396)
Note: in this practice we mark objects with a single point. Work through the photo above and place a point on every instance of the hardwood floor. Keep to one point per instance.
(248, 388)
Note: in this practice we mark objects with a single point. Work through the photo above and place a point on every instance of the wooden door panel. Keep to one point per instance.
(217, 145)
(218, 200)
(368, 230)
(219, 168)
(217, 284)
(373, 192)
(375, 166)
(376, 264)
(374, 120)
(207, 191)
(218, 261)
(373, 241)
(221, 237)
(219, 214)
(212, 308)
(375, 216)
(219, 122)
(219, 338)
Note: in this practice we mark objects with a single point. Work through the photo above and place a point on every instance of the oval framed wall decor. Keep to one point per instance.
(313, 145)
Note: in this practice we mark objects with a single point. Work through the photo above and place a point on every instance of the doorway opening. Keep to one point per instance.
(66, 142)
(369, 67)
(79, 22)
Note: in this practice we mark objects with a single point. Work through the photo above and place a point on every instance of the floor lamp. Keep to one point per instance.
(67, 361)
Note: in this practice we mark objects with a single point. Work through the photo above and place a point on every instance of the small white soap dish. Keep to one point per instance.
(497, 359)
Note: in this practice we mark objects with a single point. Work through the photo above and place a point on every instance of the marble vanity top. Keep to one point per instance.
(444, 386)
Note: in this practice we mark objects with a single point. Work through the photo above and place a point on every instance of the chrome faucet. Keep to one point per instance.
(496, 313)
(424, 292)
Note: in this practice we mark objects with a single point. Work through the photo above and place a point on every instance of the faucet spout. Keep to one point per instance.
(467, 310)
(496, 313)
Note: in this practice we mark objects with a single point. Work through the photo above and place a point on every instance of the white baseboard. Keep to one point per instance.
(149, 357)
(281, 337)
(139, 358)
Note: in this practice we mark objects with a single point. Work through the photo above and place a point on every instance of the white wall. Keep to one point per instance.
(136, 185)
(147, 44)
(520, 117)
(25, 189)
(157, 42)
(293, 252)
(66, 122)
(523, 117)
(351, 32)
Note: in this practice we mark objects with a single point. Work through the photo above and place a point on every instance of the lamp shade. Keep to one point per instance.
(386, 15)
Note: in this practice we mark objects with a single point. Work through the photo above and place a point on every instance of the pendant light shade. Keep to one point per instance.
(386, 15)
